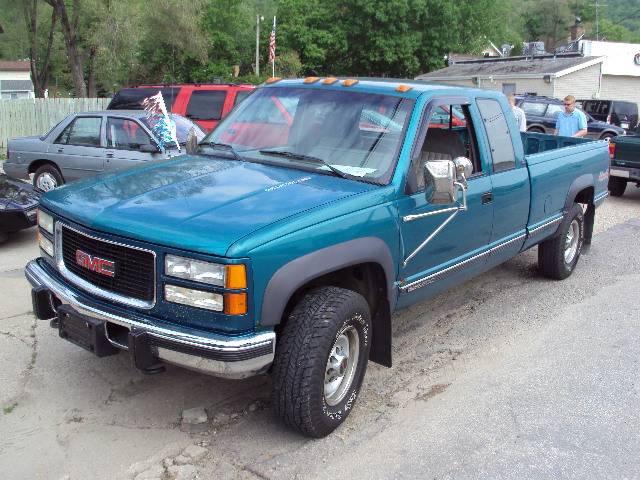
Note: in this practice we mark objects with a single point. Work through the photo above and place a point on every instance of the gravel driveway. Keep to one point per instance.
(507, 376)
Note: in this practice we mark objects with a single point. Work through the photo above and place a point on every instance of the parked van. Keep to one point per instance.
(204, 103)
(618, 112)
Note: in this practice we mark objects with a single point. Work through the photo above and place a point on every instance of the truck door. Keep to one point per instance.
(448, 131)
(509, 181)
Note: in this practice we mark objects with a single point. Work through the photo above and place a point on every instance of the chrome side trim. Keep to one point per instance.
(600, 198)
(37, 276)
(540, 229)
(442, 274)
(90, 287)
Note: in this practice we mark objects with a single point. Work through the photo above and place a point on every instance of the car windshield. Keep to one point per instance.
(183, 126)
(351, 134)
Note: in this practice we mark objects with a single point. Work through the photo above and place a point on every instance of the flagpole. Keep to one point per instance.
(273, 62)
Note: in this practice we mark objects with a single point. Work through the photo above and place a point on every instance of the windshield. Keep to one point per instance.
(183, 126)
(333, 132)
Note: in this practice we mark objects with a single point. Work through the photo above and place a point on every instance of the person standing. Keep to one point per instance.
(572, 122)
(521, 119)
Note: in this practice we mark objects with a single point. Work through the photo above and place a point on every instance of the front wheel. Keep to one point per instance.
(47, 177)
(558, 256)
(617, 186)
(321, 359)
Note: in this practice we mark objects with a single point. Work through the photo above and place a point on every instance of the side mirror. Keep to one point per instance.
(149, 148)
(441, 177)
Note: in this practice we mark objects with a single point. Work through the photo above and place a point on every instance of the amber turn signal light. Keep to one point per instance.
(236, 276)
(349, 82)
(235, 303)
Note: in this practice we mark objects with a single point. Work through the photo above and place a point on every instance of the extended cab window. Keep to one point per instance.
(450, 134)
(498, 134)
(206, 104)
(84, 131)
(126, 134)
(554, 110)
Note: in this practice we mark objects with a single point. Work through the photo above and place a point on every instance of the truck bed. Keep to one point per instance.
(553, 162)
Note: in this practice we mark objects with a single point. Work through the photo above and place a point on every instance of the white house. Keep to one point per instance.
(15, 80)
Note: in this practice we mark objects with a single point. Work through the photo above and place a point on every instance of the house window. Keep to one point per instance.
(509, 88)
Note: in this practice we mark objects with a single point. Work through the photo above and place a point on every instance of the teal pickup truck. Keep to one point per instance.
(315, 210)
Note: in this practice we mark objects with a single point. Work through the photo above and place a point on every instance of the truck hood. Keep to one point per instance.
(196, 203)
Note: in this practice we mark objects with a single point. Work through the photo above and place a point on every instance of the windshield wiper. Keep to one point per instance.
(308, 158)
(224, 146)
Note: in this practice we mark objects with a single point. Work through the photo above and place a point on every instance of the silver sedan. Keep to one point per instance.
(85, 144)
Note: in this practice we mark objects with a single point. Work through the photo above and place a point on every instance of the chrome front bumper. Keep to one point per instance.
(221, 356)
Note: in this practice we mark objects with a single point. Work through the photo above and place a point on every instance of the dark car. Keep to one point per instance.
(617, 112)
(18, 204)
(542, 112)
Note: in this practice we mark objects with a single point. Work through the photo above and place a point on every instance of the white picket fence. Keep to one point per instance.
(35, 116)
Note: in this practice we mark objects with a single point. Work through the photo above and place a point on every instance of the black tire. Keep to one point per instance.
(315, 329)
(617, 186)
(552, 261)
(51, 173)
(607, 136)
(535, 130)
(3, 237)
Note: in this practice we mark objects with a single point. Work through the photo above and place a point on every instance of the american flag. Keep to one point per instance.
(272, 42)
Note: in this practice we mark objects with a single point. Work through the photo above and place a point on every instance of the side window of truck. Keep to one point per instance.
(498, 134)
(450, 134)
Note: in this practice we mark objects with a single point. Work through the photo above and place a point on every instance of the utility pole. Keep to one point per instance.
(259, 18)
(598, 19)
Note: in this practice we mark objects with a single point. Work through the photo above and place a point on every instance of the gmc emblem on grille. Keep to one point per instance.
(95, 264)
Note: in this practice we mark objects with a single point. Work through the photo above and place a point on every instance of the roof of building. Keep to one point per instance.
(514, 66)
(14, 65)
(16, 85)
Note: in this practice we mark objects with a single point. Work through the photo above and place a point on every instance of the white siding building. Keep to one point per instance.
(549, 75)
(15, 80)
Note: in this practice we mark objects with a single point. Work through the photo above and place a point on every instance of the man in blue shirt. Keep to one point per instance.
(572, 122)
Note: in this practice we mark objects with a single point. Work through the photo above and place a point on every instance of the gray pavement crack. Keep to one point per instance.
(26, 373)
(16, 315)
(15, 337)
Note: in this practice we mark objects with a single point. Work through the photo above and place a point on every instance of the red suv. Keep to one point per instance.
(203, 103)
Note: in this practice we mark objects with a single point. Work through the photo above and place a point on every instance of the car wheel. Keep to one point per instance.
(321, 359)
(558, 256)
(617, 186)
(535, 130)
(607, 136)
(3, 237)
(47, 177)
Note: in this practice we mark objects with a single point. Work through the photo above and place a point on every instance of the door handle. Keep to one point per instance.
(487, 197)
(60, 150)
(110, 154)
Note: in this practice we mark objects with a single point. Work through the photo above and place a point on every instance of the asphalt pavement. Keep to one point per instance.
(509, 375)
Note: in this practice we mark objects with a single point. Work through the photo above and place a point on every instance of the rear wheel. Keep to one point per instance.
(558, 256)
(535, 130)
(617, 186)
(47, 177)
(321, 360)
(607, 136)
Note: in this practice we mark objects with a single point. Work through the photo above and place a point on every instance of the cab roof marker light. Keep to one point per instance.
(273, 79)
(403, 88)
(311, 80)
(349, 82)
(329, 80)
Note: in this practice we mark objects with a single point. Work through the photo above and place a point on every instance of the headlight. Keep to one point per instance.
(45, 244)
(45, 221)
(193, 298)
(229, 276)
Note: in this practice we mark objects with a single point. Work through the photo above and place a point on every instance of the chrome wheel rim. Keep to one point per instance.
(571, 242)
(46, 182)
(341, 366)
